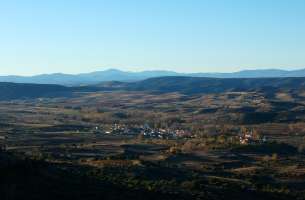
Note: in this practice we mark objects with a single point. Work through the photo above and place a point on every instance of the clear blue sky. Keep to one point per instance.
(72, 36)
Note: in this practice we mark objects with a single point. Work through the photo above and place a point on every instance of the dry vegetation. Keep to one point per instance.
(204, 165)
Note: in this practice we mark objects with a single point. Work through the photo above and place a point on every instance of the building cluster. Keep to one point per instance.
(251, 137)
(244, 137)
(166, 133)
(145, 130)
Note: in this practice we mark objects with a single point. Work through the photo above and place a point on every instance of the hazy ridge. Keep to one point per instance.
(118, 75)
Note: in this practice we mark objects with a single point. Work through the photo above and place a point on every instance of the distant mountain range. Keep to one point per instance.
(118, 75)
(179, 84)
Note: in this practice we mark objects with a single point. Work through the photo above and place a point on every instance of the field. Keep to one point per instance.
(229, 145)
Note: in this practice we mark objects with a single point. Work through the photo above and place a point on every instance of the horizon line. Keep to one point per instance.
(152, 70)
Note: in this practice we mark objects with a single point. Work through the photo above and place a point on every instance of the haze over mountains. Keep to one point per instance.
(118, 75)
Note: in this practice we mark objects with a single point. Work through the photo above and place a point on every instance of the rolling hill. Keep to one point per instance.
(185, 85)
(10, 91)
(193, 85)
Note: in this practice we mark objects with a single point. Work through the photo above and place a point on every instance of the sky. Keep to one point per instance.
(75, 36)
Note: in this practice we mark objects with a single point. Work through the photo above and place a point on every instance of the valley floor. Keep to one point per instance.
(137, 145)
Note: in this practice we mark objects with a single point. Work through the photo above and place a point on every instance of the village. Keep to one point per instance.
(144, 130)
(244, 136)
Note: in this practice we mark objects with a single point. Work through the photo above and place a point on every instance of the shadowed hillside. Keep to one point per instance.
(184, 85)
(10, 91)
(193, 85)
(24, 178)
